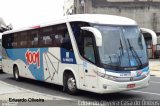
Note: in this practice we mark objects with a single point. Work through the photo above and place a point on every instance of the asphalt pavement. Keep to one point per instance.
(53, 95)
(46, 94)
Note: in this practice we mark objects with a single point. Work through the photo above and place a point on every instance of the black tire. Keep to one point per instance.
(16, 73)
(70, 84)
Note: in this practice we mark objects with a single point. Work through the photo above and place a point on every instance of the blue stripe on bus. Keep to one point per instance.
(37, 72)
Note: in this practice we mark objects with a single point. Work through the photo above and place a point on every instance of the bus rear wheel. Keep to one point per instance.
(71, 87)
(16, 73)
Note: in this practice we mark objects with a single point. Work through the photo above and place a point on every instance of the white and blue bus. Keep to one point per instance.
(96, 53)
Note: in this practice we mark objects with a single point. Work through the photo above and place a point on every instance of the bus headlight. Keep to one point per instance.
(103, 75)
(110, 77)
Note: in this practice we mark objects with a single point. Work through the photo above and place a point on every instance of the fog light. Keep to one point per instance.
(104, 86)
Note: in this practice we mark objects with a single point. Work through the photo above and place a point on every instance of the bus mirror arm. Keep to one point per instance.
(96, 33)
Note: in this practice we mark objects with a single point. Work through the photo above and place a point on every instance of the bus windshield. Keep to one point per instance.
(122, 46)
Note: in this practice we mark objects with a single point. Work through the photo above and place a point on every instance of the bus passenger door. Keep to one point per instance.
(89, 67)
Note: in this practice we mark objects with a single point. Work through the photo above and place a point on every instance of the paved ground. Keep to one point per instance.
(155, 67)
(54, 96)
(11, 91)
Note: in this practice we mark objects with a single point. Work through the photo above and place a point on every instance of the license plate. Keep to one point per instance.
(131, 85)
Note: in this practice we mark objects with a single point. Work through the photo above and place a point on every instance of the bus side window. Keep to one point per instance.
(15, 40)
(78, 34)
(57, 40)
(45, 38)
(23, 39)
(4, 43)
(34, 38)
(88, 46)
(63, 38)
(7, 41)
(48, 40)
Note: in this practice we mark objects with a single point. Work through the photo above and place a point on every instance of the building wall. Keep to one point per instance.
(147, 14)
(68, 7)
(81, 8)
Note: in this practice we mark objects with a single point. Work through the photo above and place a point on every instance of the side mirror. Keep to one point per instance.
(96, 33)
(152, 33)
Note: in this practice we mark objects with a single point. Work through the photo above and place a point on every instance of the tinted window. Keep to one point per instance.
(51, 36)
(34, 38)
(85, 41)
(62, 37)
(55, 36)
(87, 48)
(7, 41)
(45, 37)
(23, 42)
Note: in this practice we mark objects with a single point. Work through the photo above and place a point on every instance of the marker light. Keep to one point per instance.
(35, 27)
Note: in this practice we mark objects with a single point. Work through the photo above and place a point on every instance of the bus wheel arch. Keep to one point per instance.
(16, 72)
(69, 82)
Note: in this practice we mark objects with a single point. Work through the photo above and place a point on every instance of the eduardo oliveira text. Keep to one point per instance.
(26, 100)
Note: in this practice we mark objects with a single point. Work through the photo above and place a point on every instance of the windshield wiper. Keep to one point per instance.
(121, 47)
(121, 52)
(134, 53)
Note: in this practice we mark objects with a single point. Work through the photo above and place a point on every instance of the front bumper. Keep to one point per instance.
(109, 86)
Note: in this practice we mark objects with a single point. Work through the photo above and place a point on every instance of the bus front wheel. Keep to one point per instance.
(70, 84)
(16, 73)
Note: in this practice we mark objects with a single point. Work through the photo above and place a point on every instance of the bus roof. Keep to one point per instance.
(91, 18)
